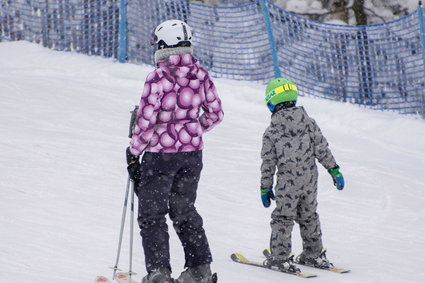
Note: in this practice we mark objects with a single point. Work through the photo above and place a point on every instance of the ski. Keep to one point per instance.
(101, 279)
(122, 277)
(267, 254)
(239, 258)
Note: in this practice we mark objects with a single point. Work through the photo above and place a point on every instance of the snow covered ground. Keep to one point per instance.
(64, 124)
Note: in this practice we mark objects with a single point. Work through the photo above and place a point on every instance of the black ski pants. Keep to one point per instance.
(168, 185)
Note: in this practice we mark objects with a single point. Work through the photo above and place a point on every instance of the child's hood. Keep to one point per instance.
(180, 66)
(293, 119)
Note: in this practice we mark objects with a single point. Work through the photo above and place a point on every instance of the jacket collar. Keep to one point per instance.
(164, 54)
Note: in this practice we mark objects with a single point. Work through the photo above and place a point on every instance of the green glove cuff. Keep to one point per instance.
(335, 172)
(265, 190)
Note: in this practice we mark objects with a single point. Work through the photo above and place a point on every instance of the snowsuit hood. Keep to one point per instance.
(292, 121)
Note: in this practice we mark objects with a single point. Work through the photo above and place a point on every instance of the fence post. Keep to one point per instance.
(122, 48)
(422, 29)
(422, 37)
(44, 24)
(271, 38)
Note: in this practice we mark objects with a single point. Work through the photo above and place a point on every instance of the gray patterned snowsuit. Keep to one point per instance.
(291, 144)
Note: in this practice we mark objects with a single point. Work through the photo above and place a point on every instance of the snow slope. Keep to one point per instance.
(64, 124)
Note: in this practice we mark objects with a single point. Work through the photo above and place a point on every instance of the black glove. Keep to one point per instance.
(133, 166)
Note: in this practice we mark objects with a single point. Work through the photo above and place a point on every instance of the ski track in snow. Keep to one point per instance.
(64, 125)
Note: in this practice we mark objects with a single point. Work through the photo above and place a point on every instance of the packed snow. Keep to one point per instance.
(64, 125)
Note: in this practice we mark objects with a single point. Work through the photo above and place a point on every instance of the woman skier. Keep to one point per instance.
(179, 103)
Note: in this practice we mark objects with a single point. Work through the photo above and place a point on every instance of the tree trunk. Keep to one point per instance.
(336, 11)
(361, 18)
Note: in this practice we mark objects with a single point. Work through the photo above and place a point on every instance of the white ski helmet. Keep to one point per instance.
(172, 33)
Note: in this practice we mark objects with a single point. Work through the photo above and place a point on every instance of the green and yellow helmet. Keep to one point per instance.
(280, 90)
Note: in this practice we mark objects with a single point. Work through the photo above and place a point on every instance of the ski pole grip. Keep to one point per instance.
(132, 121)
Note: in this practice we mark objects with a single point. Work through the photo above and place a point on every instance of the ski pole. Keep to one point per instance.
(130, 272)
(124, 211)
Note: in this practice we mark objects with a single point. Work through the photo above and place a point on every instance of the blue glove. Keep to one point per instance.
(337, 178)
(266, 195)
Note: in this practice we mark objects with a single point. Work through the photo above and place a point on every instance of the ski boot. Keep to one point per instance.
(198, 274)
(285, 265)
(320, 262)
(160, 275)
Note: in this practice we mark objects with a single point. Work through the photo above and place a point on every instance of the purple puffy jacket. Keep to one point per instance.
(178, 104)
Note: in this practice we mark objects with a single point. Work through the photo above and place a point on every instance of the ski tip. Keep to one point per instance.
(305, 275)
(102, 279)
(339, 270)
(237, 257)
(124, 277)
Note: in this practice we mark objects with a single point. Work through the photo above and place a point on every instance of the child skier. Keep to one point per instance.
(179, 103)
(291, 143)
